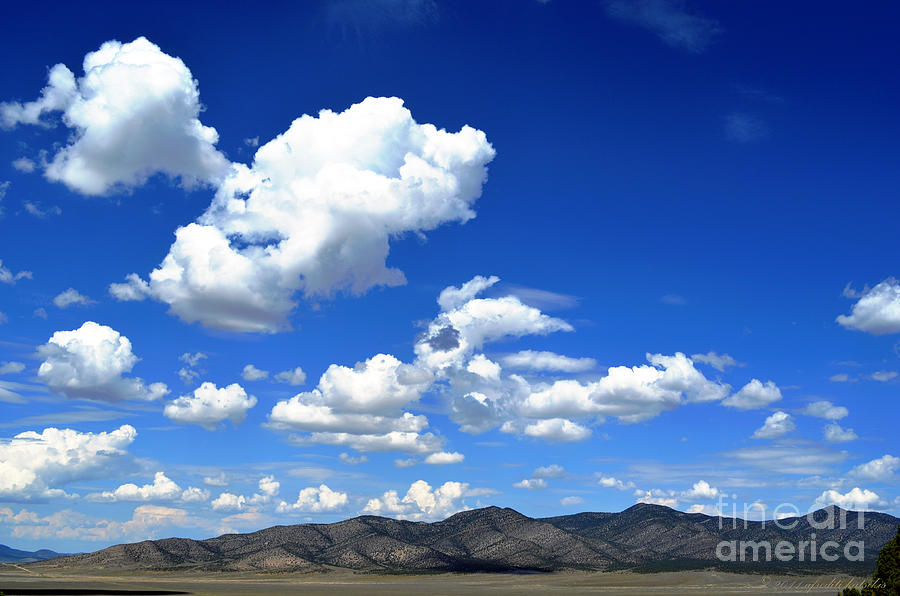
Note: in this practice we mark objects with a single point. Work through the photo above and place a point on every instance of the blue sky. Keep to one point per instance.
(592, 253)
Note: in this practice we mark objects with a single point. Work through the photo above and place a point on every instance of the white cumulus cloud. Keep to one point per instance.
(35, 465)
(613, 482)
(421, 501)
(632, 394)
(826, 409)
(531, 483)
(90, 363)
(133, 114)
(294, 376)
(835, 433)
(877, 311)
(315, 212)
(162, 489)
(69, 297)
(557, 430)
(855, 499)
(443, 458)
(315, 500)
(251, 373)
(362, 407)
(209, 405)
(878, 470)
(754, 395)
(776, 425)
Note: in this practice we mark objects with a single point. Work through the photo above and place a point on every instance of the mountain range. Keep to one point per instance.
(643, 537)
(12, 555)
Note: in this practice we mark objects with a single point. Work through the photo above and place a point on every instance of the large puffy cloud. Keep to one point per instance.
(754, 395)
(315, 213)
(89, 362)
(855, 499)
(315, 500)
(421, 501)
(632, 394)
(35, 465)
(209, 405)
(134, 113)
(361, 407)
(877, 311)
(879, 470)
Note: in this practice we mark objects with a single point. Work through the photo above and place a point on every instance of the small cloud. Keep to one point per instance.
(7, 368)
(776, 425)
(40, 212)
(192, 359)
(405, 463)
(251, 142)
(741, 127)
(612, 482)
(531, 484)
(673, 299)
(23, 164)
(718, 361)
(71, 296)
(251, 373)
(349, 460)
(551, 471)
(218, 480)
(444, 458)
(827, 410)
(841, 378)
(40, 313)
(295, 376)
(883, 375)
(571, 501)
(834, 433)
(8, 277)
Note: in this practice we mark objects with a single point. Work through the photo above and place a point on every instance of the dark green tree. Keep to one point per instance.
(887, 570)
(886, 579)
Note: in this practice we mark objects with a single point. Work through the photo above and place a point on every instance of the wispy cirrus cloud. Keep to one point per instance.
(670, 20)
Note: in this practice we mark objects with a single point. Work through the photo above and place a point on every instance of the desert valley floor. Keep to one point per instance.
(18, 580)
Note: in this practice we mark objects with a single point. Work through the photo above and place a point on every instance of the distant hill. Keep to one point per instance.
(643, 537)
(12, 555)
